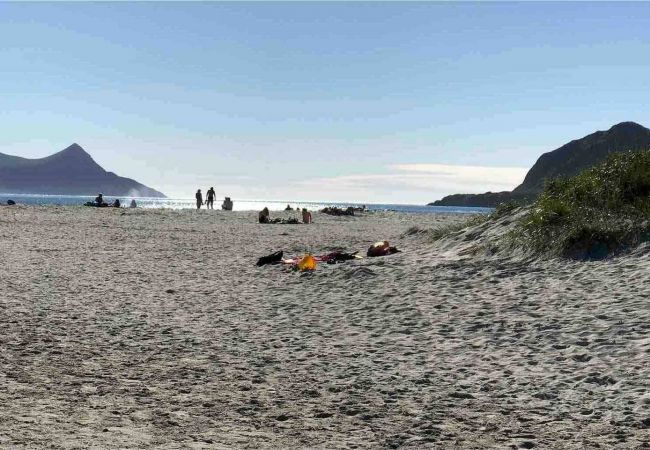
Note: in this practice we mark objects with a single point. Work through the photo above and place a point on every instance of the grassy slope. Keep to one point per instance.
(600, 211)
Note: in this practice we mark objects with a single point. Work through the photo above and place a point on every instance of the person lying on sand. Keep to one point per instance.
(290, 221)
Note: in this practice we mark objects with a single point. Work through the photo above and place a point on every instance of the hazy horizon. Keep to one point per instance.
(350, 102)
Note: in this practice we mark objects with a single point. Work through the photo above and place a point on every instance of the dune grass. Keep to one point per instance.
(598, 212)
(436, 234)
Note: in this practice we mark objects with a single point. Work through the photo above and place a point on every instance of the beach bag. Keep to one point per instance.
(307, 263)
(381, 248)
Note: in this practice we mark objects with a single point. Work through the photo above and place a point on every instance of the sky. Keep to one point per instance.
(370, 102)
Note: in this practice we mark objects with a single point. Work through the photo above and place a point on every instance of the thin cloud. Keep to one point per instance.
(417, 182)
(479, 175)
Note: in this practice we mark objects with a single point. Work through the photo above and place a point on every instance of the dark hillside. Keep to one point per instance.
(71, 171)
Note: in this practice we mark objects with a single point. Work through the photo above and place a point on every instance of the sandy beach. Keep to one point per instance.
(155, 329)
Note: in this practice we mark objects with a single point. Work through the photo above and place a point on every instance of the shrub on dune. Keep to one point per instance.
(593, 214)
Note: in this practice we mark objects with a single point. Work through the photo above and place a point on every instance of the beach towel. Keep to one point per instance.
(329, 258)
(336, 257)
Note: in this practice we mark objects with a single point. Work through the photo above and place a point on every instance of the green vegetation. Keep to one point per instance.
(600, 211)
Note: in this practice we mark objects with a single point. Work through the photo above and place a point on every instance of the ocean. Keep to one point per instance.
(239, 204)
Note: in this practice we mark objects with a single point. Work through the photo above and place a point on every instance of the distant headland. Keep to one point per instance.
(71, 171)
(565, 161)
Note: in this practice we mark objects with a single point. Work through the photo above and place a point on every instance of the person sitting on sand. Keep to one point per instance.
(288, 208)
(133, 204)
(227, 204)
(264, 216)
(116, 203)
(306, 216)
(199, 199)
(209, 198)
(99, 200)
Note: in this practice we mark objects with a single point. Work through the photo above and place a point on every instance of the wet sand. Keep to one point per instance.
(154, 329)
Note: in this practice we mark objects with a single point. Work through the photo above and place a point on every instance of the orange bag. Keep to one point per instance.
(307, 263)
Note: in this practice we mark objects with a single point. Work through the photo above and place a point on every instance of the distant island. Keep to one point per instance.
(71, 171)
(565, 161)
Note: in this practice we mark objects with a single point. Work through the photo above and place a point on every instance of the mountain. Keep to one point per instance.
(565, 161)
(488, 199)
(581, 154)
(69, 172)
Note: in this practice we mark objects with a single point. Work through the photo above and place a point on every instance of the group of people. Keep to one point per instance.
(264, 216)
(209, 200)
(99, 202)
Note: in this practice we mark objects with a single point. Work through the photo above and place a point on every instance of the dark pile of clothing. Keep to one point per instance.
(336, 211)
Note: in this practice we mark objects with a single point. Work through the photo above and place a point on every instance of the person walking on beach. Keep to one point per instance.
(199, 199)
(209, 198)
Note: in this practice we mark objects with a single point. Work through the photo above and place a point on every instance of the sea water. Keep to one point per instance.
(239, 204)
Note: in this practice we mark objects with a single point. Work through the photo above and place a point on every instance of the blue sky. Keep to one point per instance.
(373, 102)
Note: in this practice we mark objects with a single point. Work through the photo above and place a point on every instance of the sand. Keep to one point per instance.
(154, 329)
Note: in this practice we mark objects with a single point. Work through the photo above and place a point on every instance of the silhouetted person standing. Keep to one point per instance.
(209, 198)
(306, 216)
(199, 199)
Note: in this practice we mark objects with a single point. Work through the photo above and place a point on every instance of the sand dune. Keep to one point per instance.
(154, 329)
